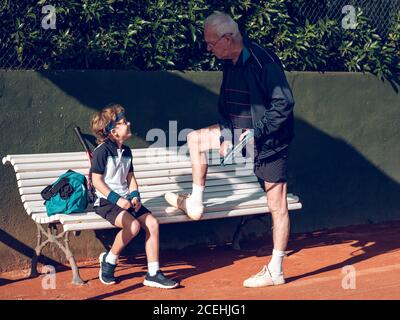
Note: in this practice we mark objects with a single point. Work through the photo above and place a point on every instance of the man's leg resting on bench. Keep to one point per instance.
(272, 273)
(199, 142)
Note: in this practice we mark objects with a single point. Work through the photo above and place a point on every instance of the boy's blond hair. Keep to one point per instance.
(101, 119)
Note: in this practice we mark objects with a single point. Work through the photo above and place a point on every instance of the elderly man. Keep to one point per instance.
(254, 96)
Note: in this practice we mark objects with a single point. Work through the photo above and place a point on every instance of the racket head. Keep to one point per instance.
(237, 148)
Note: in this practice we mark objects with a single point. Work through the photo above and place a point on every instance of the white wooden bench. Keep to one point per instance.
(231, 191)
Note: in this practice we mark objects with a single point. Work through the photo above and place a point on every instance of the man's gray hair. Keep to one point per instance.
(222, 24)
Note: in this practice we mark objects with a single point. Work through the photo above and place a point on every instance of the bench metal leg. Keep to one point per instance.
(38, 249)
(76, 278)
(53, 237)
(243, 221)
(235, 241)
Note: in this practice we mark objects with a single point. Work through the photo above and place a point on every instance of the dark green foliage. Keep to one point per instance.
(167, 34)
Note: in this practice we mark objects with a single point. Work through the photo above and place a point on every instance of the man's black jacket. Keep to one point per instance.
(271, 102)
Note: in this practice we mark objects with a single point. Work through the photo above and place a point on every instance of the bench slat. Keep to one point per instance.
(83, 165)
(188, 177)
(140, 152)
(96, 225)
(71, 226)
(144, 188)
(49, 159)
(241, 188)
(209, 189)
(141, 174)
(43, 218)
(25, 167)
(35, 186)
(37, 197)
(224, 203)
(151, 194)
(187, 185)
(223, 214)
(52, 174)
(139, 155)
(159, 205)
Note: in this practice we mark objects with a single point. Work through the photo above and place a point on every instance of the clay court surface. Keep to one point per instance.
(313, 270)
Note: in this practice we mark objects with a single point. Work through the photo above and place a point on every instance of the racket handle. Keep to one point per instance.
(78, 133)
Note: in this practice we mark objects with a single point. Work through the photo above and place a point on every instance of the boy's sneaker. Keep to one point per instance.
(182, 201)
(159, 280)
(106, 272)
(264, 278)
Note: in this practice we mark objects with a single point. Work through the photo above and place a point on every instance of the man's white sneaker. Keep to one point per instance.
(264, 278)
(182, 202)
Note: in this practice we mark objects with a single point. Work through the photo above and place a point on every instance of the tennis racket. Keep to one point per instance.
(229, 155)
(89, 155)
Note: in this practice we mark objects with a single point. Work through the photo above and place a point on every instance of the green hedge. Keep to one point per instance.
(167, 34)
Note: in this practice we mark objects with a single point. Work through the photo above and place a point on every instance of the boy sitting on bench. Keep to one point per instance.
(118, 197)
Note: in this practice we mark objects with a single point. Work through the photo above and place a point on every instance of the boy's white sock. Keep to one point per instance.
(196, 197)
(275, 265)
(153, 267)
(111, 258)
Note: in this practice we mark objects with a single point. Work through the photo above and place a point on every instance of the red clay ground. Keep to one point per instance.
(313, 270)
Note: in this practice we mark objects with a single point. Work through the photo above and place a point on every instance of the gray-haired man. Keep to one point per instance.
(254, 96)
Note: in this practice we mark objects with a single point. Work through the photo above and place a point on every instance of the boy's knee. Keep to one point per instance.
(134, 227)
(152, 225)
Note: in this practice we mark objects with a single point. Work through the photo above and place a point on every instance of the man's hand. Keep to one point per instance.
(136, 204)
(223, 149)
(123, 203)
(243, 135)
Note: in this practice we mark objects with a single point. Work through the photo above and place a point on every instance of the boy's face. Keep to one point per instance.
(122, 130)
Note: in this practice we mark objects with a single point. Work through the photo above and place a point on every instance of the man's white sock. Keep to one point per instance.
(111, 258)
(153, 267)
(275, 265)
(197, 194)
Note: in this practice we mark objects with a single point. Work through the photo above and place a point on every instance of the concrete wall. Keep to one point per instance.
(344, 161)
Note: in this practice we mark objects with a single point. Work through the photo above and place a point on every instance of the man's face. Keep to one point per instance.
(217, 45)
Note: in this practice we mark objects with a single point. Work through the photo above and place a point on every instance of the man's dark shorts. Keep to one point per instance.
(110, 211)
(272, 169)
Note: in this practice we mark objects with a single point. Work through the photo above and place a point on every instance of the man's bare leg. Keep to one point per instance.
(277, 203)
(199, 142)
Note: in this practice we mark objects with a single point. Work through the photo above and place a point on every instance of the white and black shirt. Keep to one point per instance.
(114, 164)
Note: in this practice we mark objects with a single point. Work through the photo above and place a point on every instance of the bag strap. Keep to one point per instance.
(51, 190)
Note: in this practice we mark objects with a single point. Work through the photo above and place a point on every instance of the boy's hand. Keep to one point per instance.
(136, 204)
(123, 203)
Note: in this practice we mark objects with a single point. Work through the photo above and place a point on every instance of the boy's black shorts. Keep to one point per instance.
(110, 211)
(272, 169)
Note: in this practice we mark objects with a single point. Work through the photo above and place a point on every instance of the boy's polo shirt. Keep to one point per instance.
(114, 164)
